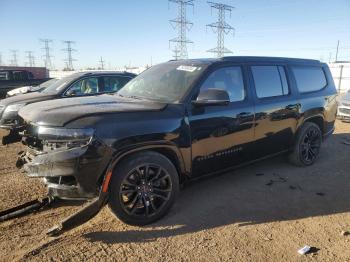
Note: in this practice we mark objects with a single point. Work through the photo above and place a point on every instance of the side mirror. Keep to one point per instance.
(71, 92)
(212, 97)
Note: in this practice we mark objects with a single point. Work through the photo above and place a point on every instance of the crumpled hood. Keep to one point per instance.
(58, 112)
(26, 98)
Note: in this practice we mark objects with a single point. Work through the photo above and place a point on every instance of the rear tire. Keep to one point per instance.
(307, 145)
(143, 188)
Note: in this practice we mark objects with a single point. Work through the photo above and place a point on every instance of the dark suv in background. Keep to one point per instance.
(75, 85)
(177, 121)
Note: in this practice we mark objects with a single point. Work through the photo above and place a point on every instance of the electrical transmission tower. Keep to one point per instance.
(30, 57)
(102, 63)
(69, 50)
(47, 56)
(182, 25)
(13, 61)
(221, 28)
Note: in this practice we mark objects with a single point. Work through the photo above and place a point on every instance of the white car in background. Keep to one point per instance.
(28, 89)
(344, 107)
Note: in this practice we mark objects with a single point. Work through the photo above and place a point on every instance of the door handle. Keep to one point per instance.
(244, 114)
(293, 106)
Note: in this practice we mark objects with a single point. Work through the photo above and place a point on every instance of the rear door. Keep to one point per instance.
(222, 135)
(276, 108)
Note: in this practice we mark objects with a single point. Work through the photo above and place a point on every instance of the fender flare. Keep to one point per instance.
(137, 148)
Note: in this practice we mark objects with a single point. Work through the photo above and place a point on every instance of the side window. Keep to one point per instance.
(17, 75)
(114, 83)
(229, 79)
(4, 76)
(84, 86)
(270, 81)
(309, 78)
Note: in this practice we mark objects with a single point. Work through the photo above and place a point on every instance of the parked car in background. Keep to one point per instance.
(76, 85)
(344, 107)
(29, 89)
(177, 121)
(11, 79)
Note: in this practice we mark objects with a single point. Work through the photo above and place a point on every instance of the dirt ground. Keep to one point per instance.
(263, 212)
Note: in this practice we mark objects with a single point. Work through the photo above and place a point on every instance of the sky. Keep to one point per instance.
(137, 32)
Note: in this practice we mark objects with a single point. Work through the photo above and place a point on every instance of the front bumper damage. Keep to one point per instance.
(77, 173)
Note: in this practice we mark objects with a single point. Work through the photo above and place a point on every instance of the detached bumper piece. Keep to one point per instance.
(80, 217)
(26, 208)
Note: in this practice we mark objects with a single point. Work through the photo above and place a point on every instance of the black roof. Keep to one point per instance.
(242, 59)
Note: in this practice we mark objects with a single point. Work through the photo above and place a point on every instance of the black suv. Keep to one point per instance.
(176, 121)
(78, 84)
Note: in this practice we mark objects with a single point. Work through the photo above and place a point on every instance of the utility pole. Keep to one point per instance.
(221, 28)
(340, 78)
(13, 61)
(47, 56)
(69, 51)
(182, 25)
(336, 54)
(30, 57)
(102, 63)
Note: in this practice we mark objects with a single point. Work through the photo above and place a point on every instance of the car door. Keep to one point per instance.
(222, 134)
(276, 108)
(84, 87)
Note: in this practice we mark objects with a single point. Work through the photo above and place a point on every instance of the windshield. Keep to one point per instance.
(166, 82)
(48, 83)
(59, 85)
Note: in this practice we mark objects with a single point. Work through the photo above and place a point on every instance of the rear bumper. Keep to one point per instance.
(69, 174)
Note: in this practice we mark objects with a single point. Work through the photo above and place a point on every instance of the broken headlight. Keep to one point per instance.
(64, 138)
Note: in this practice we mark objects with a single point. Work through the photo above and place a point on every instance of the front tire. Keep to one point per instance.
(307, 145)
(143, 188)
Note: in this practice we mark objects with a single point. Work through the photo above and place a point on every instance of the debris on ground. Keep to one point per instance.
(320, 194)
(308, 250)
(278, 180)
(345, 233)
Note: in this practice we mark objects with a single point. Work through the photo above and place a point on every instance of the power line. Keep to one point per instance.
(47, 56)
(69, 50)
(31, 59)
(102, 62)
(221, 28)
(182, 25)
(13, 61)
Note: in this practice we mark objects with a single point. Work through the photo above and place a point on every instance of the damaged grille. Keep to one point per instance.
(30, 138)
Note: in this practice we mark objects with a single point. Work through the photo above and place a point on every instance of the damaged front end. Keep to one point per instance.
(72, 163)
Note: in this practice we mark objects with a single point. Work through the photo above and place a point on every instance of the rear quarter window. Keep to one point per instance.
(309, 79)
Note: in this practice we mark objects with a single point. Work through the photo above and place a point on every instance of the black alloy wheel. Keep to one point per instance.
(143, 188)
